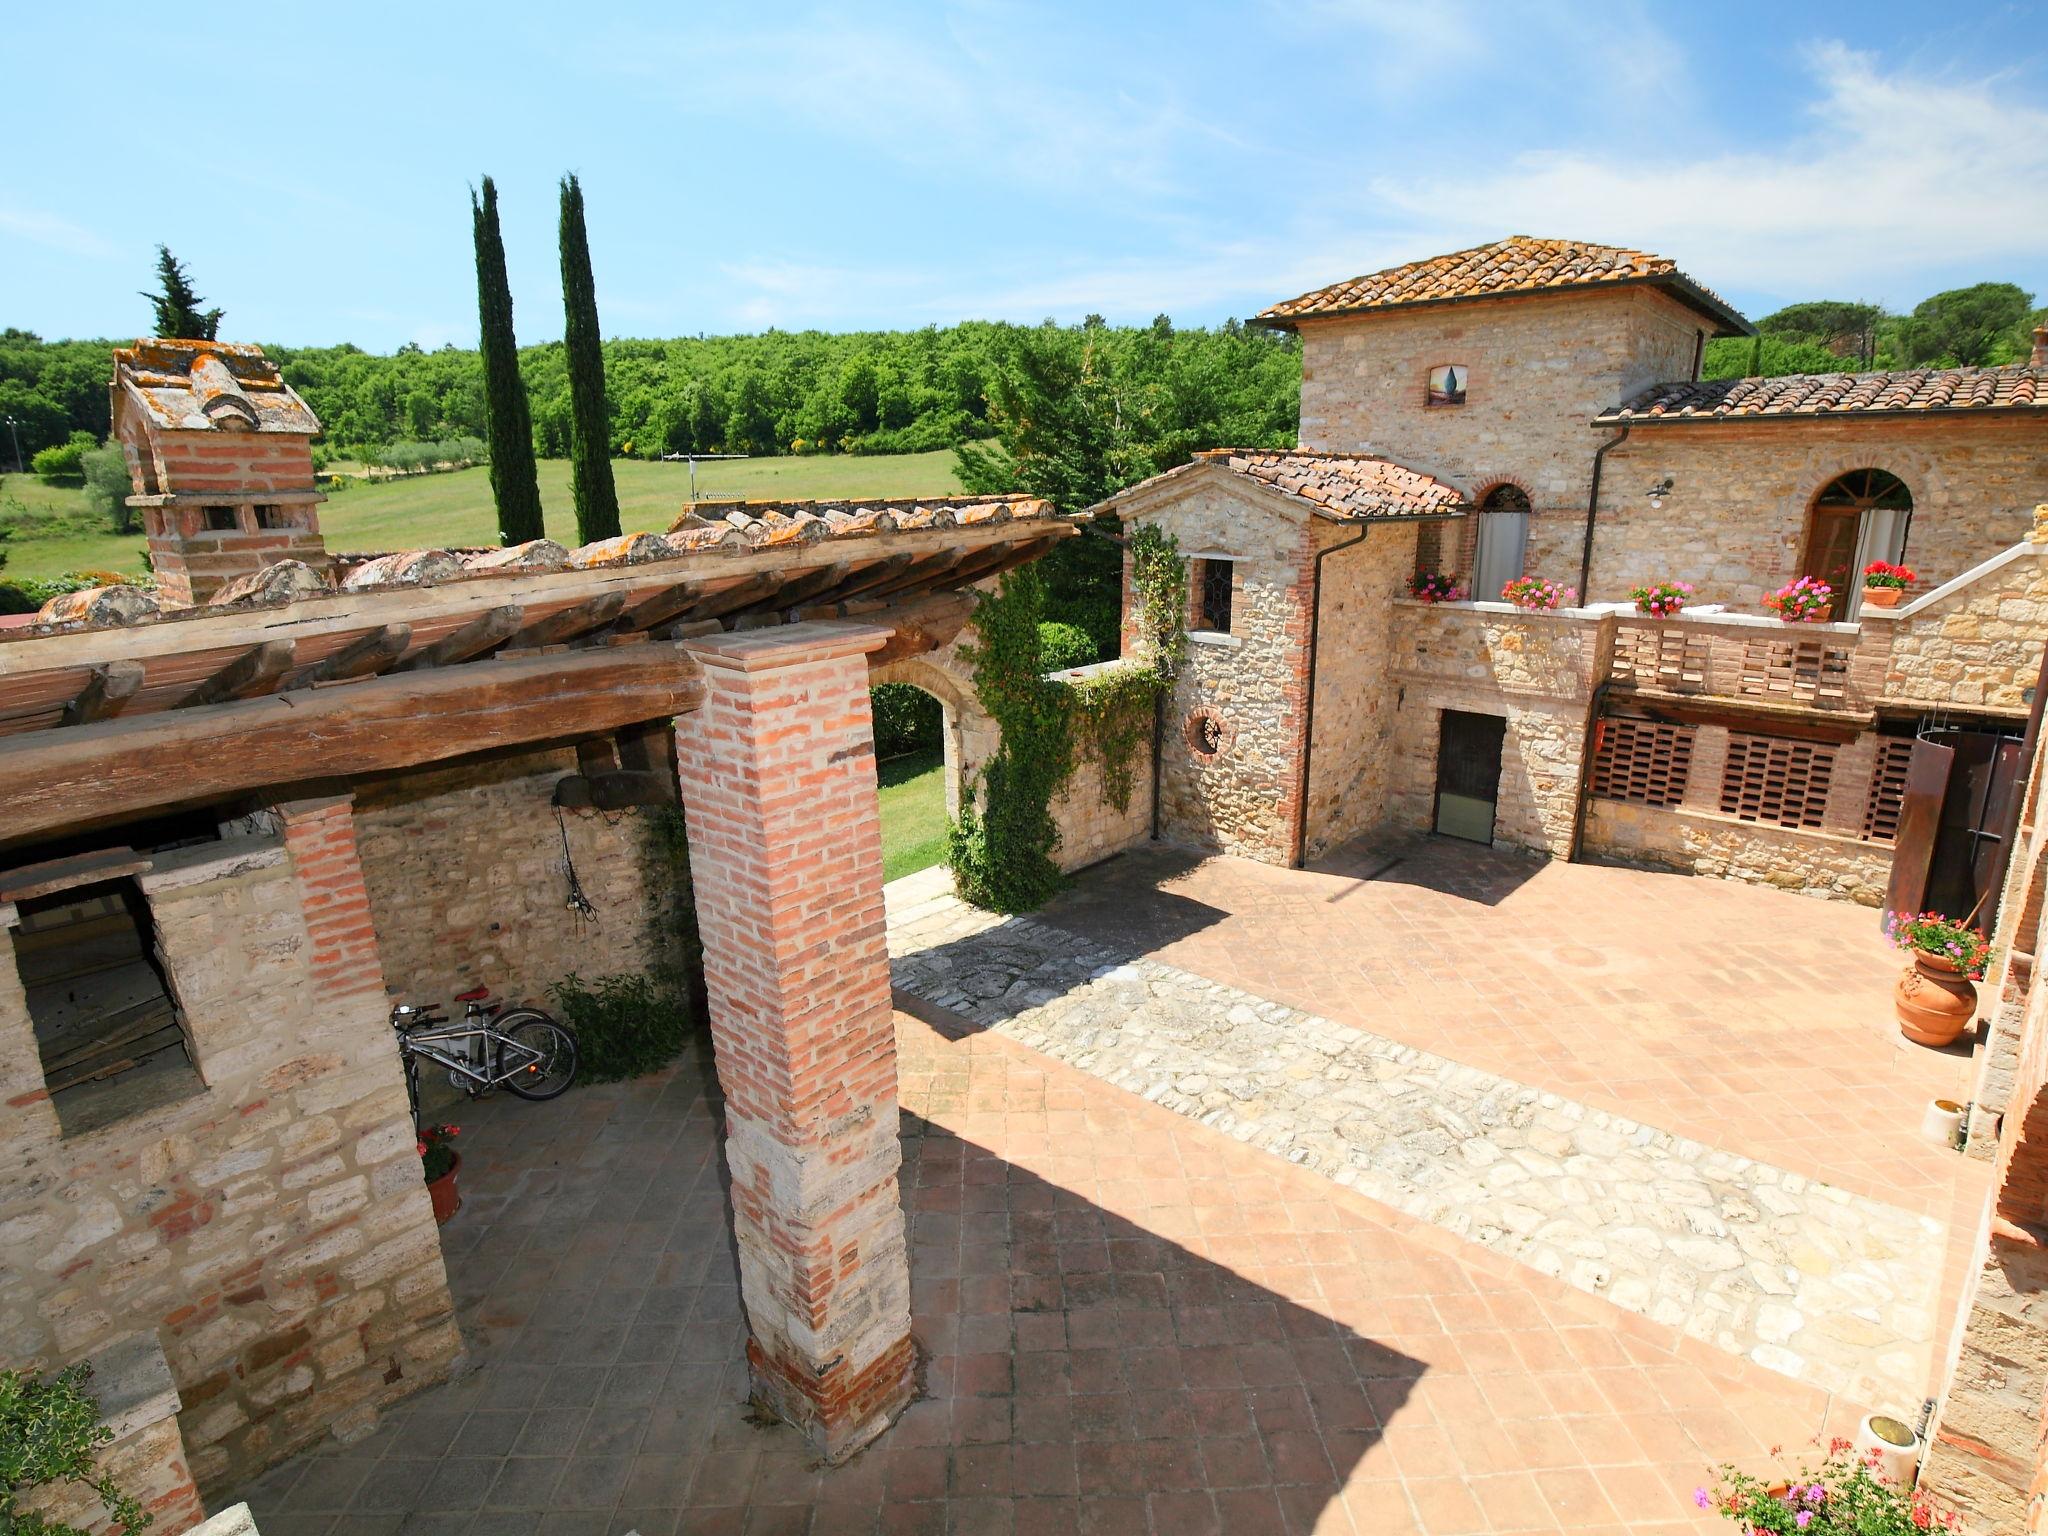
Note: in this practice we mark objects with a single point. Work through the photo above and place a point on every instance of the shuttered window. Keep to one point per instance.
(1781, 782)
(1642, 761)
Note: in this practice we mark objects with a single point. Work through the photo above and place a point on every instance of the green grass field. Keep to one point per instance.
(913, 812)
(52, 531)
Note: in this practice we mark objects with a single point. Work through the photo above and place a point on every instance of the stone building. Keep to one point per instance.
(242, 815)
(1534, 407)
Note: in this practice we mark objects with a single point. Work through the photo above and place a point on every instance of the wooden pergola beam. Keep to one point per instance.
(367, 654)
(92, 774)
(565, 624)
(493, 627)
(105, 693)
(253, 672)
(660, 608)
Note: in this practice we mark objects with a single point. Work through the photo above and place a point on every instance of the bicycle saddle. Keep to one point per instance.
(473, 995)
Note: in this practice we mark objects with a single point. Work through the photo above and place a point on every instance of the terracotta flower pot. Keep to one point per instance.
(1934, 1000)
(1882, 597)
(442, 1191)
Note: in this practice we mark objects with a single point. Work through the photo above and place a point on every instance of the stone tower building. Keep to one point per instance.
(219, 452)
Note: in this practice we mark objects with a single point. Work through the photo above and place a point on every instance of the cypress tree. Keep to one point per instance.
(515, 485)
(178, 315)
(590, 443)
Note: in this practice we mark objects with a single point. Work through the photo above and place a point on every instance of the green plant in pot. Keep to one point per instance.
(1935, 998)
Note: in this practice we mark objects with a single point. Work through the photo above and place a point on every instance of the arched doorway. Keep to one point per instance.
(1856, 518)
(1501, 551)
(931, 735)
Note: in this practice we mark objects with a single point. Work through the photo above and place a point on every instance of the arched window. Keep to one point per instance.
(1857, 518)
(1503, 540)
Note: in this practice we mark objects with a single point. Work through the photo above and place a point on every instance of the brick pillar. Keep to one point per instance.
(320, 835)
(778, 777)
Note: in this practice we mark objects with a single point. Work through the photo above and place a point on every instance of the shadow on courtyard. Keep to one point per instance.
(1082, 1372)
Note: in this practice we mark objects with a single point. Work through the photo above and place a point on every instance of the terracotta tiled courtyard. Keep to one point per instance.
(1133, 1323)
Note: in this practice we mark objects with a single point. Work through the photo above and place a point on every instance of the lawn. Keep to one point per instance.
(52, 531)
(913, 812)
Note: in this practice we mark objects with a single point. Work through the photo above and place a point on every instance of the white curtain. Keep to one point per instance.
(1503, 547)
(1881, 536)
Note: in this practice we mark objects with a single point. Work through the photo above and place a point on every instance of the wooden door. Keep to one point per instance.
(1927, 773)
(1831, 552)
(1468, 774)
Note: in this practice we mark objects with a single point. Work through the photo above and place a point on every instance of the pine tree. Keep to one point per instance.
(590, 443)
(178, 315)
(514, 483)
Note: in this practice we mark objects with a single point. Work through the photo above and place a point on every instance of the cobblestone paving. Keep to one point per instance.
(1808, 1280)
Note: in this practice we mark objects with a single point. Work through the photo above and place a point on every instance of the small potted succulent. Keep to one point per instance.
(1805, 601)
(1537, 593)
(1934, 998)
(1847, 1492)
(1884, 583)
(1435, 587)
(1662, 599)
(440, 1162)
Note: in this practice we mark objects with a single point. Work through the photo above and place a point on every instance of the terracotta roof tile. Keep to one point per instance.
(202, 386)
(736, 529)
(1350, 487)
(2021, 388)
(1520, 264)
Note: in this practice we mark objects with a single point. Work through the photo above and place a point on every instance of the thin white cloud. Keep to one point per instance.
(1893, 176)
(1897, 175)
(54, 233)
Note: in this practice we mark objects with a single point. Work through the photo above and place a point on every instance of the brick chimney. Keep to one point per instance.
(220, 453)
(2040, 357)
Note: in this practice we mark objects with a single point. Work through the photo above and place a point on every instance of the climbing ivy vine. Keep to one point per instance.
(1001, 849)
(1001, 846)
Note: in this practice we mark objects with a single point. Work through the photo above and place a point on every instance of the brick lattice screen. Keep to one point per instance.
(1782, 782)
(1642, 762)
(1887, 790)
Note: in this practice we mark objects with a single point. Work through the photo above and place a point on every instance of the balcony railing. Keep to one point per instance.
(1829, 667)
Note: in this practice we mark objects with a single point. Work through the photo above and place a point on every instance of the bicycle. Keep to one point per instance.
(520, 1049)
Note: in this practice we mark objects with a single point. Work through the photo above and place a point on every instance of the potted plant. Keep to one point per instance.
(1847, 1492)
(1934, 998)
(1435, 587)
(1537, 593)
(1805, 601)
(1662, 599)
(440, 1162)
(1884, 583)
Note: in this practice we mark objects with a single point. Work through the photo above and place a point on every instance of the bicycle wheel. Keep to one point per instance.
(553, 1046)
(412, 1085)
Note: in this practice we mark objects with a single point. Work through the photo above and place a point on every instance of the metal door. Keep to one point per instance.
(1468, 774)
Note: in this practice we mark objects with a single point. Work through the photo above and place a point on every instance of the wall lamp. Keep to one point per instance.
(1660, 490)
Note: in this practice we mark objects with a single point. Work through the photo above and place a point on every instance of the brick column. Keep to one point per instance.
(778, 779)
(320, 835)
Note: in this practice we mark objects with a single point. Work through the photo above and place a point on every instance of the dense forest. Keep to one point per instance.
(777, 392)
(1158, 390)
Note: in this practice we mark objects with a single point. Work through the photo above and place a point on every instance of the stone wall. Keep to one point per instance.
(1734, 523)
(1978, 646)
(1351, 775)
(464, 868)
(144, 1454)
(1537, 670)
(1250, 683)
(1092, 826)
(1695, 836)
(272, 1230)
(1539, 370)
(1987, 1456)
(1811, 863)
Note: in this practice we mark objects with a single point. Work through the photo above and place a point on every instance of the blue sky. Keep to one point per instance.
(882, 165)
